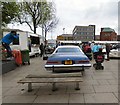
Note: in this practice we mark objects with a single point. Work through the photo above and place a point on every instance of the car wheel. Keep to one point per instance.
(96, 68)
(94, 65)
(23, 63)
(102, 67)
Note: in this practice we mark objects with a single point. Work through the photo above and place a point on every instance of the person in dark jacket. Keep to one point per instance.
(7, 39)
(41, 49)
(108, 50)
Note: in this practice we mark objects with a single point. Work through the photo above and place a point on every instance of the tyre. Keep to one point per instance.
(102, 67)
(23, 63)
(96, 68)
(28, 63)
(94, 65)
(99, 67)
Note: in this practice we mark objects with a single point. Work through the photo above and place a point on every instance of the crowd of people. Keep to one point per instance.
(95, 48)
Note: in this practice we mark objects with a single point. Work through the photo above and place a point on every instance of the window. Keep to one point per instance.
(65, 50)
(87, 33)
(91, 29)
(81, 33)
(35, 40)
(81, 29)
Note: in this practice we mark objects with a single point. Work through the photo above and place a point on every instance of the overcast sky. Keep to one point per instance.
(102, 13)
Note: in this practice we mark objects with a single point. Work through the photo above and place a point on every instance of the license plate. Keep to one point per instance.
(68, 62)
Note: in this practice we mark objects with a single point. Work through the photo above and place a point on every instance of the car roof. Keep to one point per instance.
(64, 46)
(67, 46)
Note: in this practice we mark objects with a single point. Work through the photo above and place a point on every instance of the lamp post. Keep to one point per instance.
(63, 30)
(42, 21)
(42, 11)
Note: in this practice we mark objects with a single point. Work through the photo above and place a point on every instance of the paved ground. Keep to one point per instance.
(99, 86)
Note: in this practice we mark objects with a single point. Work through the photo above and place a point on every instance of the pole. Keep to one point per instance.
(42, 22)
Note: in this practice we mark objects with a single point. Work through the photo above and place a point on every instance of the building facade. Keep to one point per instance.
(118, 37)
(84, 33)
(97, 37)
(108, 34)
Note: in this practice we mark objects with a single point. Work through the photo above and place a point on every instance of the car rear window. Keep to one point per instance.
(63, 50)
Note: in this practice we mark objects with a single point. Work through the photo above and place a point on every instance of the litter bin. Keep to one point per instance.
(25, 56)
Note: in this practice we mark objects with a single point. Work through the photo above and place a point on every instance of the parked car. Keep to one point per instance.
(50, 47)
(67, 58)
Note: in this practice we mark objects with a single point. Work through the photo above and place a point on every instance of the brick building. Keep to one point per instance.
(118, 37)
(108, 34)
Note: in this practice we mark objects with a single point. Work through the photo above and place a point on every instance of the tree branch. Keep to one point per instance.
(31, 12)
(29, 25)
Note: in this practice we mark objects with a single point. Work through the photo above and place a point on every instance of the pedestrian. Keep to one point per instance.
(29, 45)
(83, 47)
(87, 48)
(95, 49)
(100, 46)
(80, 45)
(87, 51)
(41, 49)
(7, 39)
(58, 44)
(108, 50)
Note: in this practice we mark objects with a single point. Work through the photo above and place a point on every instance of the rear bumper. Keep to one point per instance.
(68, 67)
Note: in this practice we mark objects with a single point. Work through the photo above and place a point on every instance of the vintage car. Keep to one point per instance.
(67, 58)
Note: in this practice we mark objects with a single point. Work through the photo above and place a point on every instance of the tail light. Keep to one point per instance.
(53, 62)
(83, 61)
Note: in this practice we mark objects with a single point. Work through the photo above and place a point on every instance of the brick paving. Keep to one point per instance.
(98, 86)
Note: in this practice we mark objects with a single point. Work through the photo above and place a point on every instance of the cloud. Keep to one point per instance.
(102, 13)
(104, 10)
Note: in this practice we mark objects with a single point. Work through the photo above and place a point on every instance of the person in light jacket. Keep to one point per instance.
(95, 49)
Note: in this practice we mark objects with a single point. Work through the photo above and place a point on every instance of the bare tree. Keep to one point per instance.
(51, 20)
(32, 14)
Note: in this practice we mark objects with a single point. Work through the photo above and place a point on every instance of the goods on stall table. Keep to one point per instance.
(4, 55)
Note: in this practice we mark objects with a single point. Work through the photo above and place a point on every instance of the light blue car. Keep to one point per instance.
(67, 58)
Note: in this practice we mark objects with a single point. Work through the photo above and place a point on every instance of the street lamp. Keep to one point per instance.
(42, 21)
(63, 30)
